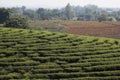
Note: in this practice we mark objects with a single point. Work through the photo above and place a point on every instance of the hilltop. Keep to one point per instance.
(32, 54)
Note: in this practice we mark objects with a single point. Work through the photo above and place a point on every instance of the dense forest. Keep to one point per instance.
(86, 13)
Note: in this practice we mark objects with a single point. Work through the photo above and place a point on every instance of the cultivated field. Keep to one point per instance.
(30, 54)
(90, 28)
(104, 29)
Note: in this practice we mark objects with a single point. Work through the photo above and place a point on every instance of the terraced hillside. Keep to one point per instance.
(26, 54)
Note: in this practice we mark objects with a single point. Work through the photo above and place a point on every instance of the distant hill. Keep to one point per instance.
(31, 54)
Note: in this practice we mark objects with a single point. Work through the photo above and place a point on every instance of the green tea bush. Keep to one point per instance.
(29, 54)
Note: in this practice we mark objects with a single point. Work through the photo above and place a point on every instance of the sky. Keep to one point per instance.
(58, 3)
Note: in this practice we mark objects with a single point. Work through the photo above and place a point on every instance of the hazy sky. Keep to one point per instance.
(58, 3)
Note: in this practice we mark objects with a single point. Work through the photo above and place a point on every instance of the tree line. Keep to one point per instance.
(86, 13)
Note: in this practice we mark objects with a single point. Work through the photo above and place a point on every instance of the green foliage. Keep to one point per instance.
(43, 55)
(17, 22)
(4, 15)
(69, 12)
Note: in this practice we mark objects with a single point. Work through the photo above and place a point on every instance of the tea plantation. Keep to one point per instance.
(30, 54)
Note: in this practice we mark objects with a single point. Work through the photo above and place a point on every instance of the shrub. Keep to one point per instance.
(17, 22)
(4, 15)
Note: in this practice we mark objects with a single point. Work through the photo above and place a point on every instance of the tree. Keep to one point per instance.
(69, 12)
(29, 13)
(4, 15)
(102, 17)
(41, 13)
(17, 22)
(23, 8)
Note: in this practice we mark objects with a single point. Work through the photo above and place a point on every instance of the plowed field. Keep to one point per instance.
(104, 29)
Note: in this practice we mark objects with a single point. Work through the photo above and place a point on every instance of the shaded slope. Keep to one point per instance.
(26, 54)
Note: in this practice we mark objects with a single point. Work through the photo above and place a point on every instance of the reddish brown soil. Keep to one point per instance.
(104, 29)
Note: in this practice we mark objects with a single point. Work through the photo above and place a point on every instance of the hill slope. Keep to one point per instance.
(26, 54)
